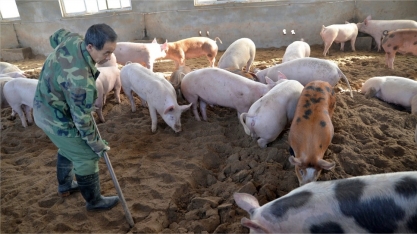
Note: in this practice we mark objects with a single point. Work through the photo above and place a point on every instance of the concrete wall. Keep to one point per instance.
(179, 19)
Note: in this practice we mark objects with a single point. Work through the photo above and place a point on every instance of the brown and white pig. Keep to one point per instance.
(215, 86)
(376, 28)
(156, 91)
(269, 115)
(402, 41)
(10, 70)
(393, 89)
(311, 131)
(339, 33)
(239, 54)
(192, 47)
(108, 80)
(381, 203)
(249, 75)
(19, 93)
(295, 50)
(143, 53)
(306, 70)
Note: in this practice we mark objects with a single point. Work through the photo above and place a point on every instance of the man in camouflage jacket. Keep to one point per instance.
(62, 107)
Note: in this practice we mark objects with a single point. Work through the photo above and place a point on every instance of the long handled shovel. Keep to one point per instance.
(115, 182)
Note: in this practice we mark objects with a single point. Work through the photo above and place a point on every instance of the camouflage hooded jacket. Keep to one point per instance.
(66, 90)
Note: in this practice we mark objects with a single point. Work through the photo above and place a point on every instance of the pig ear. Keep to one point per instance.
(294, 161)
(281, 76)
(185, 107)
(168, 109)
(253, 225)
(154, 40)
(326, 165)
(246, 201)
(268, 80)
(366, 20)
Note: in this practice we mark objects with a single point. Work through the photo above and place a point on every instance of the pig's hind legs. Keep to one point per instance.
(28, 113)
(203, 107)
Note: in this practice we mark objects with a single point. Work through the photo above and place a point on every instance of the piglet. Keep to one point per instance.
(311, 131)
(306, 70)
(376, 28)
(380, 203)
(192, 47)
(19, 93)
(156, 91)
(108, 80)
(401, 41)
(339, 33)
(239, 54)
(295, 50)
(393, 89)
(143, 53)
(215, 86)
(268, 116)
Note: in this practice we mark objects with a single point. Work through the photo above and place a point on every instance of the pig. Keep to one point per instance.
(10, 70)
(379, 203)
(269, 115)
(156, 91)
(401, 41)
(295, 50)
(19, 93)
(306, 70)
(339, 33)
(376, 28)
(143, 53)
(311, 131)
(393, 89)
(192, 47)
(215, 86)
(108, 80)
(239, 54)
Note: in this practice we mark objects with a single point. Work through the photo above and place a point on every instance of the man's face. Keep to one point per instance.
(103, 55)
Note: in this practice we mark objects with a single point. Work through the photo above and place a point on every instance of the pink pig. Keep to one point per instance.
(215, 86)
(339, 33)
(401, 41)
(376, 28)
(108, 80)
(143, 53)
(192, 47)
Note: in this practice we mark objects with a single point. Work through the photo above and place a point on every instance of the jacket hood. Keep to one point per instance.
(58, 36)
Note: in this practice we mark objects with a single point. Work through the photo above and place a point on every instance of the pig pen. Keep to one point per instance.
(183, 183)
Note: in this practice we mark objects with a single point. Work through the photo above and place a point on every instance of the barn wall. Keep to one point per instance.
(179, 19)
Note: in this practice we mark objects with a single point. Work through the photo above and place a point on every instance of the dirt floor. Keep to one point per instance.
(183, 183)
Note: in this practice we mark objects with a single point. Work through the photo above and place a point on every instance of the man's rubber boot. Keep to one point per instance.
(90, 189)
(65, 176)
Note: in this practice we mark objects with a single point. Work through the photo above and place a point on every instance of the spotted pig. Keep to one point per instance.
(312, 131)
(381, 203)
(401, 41)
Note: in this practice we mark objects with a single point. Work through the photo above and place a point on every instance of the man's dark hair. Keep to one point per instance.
(98, 34)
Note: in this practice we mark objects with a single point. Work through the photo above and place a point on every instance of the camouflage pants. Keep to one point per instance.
(75, 149)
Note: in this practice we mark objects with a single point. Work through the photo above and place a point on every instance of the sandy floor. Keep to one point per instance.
(184, 182)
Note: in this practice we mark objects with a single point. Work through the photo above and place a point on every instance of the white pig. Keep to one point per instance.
(402, 41)
(339, 33)
(143, 53)
(306, 70)
(21, 92)
(376, 28)
(10, 70)
(381, 203)
(239, 54)
(108, 80)
(393, 89)
(269, 115)
(192, 47)
(156, 91)
(295, 50)
(215, 86)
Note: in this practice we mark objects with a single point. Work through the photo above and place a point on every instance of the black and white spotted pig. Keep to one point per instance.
(382, 203)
